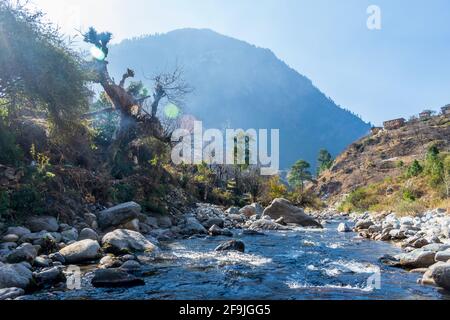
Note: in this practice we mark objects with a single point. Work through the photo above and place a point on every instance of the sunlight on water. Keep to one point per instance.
(224, 257)
(297, 285)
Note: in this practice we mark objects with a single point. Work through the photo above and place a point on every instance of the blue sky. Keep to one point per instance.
(379, 74)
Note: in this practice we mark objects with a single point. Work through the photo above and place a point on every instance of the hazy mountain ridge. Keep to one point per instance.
(239, 85)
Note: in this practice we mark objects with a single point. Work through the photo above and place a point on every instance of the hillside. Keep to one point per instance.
(237, 85)
(375, 168)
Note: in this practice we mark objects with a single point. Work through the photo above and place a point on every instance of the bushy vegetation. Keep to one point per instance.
(424, 184)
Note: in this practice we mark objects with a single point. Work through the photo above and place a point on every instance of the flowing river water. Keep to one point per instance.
(294, 265)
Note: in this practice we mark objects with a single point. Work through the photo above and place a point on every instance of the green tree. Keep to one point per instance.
(37, 67)
(414, 169)
(324, 160)
(434, 167)
(299, 174)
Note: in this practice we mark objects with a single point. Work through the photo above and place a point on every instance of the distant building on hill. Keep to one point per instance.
(425, 115)
(446, 110)
(394, 124)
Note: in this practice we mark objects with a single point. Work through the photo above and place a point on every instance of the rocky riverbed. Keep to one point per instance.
(175, 256)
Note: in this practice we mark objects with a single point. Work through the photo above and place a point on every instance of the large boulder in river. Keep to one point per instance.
(418, 258)
(14, 276)
(118, 215)
(441, 276)
(37, 224)
(123, 241)
(267, 225)
(291, 214)
(115, 278)
(233, 245)
(193, 226)
(343, 227)
(81, 251)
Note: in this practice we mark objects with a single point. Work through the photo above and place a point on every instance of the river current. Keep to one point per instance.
(301, 264)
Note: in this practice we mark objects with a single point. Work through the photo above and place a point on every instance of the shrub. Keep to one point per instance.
(26, 200)
(4, 202)
(414, 169)
(122, 192)
(10, 152)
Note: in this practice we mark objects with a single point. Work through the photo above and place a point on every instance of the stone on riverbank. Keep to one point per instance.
(123, 241)
(49, 277)
(19, 231)
(118, 215)
(114, 278)
(26, 252)
(441, 276)
(14, 276)
(88, 234)
(443, 256)
(291, 214)
(11, 293)
(233, 245)
(37, 224)
(418, 258)
(81, 251)
(192, 226)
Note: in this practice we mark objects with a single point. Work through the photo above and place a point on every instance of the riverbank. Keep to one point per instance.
(121, 247)
(424, 239)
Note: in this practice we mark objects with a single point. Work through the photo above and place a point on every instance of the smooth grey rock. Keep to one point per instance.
(108, 262)
(217, 231)
(49, 277)
(10, 238)
(248, 211)
(291, 214)
(14, 276)
(57, 257)
(123, 241)
(214, 221)
(364, 224)
(118, 215)
(19, 231)
(115, 278)
(233, 245)
(81, 251)
(11, 293)
(131, 265)
(343, 227)
(443, 256)
(164, 222)
(25, 252)
(418, 258)
(46, 223)
(41, 262)
(88, 234)
(264, 224)
(193, 226)
(69, 235)
(441, 276)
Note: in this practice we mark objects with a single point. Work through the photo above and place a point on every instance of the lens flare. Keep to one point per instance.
(172, 111)
(97, 53)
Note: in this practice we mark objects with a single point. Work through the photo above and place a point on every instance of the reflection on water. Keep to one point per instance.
(300, 264)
